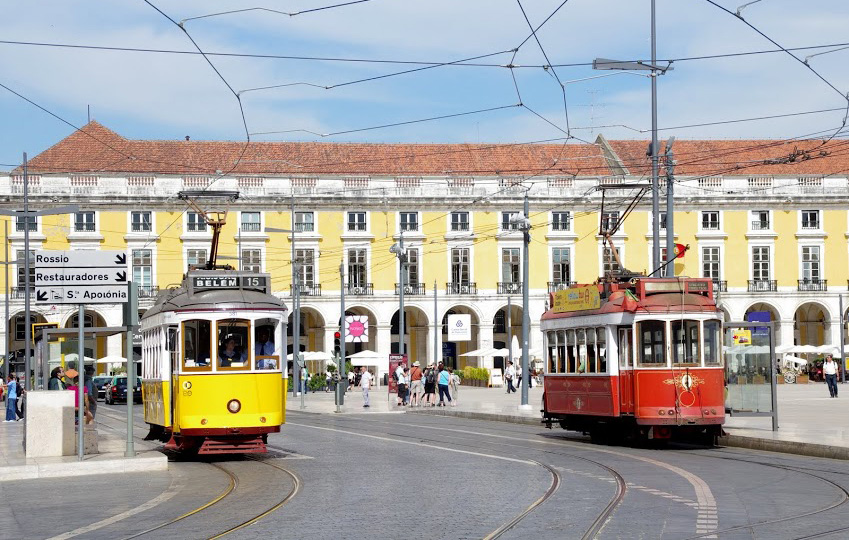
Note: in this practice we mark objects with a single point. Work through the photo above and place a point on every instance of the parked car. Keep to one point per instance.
(100, 382)
(116, 390)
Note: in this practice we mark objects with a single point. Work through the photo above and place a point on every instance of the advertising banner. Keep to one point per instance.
(460, 327)
(576, 299)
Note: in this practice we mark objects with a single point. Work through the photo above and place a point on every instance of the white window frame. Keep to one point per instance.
(820, 246)
(561, 228)
(95, 222)
(718, 227)
(365, 226)
(771, 272)
(468, 222)
(817, 213)
(405, 226)
(188, 223)
(259, 224)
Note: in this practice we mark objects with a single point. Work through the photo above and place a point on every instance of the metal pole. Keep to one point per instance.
(6, 326)
(509, 330)
(296, 319)
(27, 289)
(300, 360)
(525, 317)
(130, 321)
(773, 382)
(437, 325)
(840, 347)
(670, 209)
(81, 383)
(655, 197)
(402, 257)
(343, 376)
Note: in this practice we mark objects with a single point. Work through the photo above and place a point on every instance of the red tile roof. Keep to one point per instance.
(96, 149)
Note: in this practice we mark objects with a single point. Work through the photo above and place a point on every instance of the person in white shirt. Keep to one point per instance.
(509, 375)
(829, 369)
(365, 383)
(402, 383)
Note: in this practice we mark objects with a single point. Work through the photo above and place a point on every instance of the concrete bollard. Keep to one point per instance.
(50, 423)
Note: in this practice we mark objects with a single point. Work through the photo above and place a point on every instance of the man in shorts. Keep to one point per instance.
(416, 388)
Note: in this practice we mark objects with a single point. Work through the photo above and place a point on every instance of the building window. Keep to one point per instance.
(252, 260)
(710, 221)
(609, 221)
(710, 262)
(357, 275)
(195, 222)
(306, 270)
(409, 221)
(459, 221)
(140, 222)
(810, 219)
(84, 222)
(356, 221)
(560, 272)
(19, 258)
(510, 267)
(811, 263)
(760, 263)
(143, 268)
(22, 221)
(460, 268)
(196, 257)
(21, 327)
(560, 221)
(250, 222)
(663, 221)
(505, 222)
(760, 220)
(609, 264)
(412, 275)
(304, 222)
(499, 322)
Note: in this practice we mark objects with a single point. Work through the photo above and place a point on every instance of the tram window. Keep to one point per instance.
(591, 351)
(551, 347)
(685, 348)
(234, 344)
(561, 352)
(264, 346)
(196, 345)
(581, 346)
(625, 347)
(652, 345)
(571, 355)
(711, 343)
(601, 342)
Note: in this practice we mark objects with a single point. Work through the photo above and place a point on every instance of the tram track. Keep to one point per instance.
(231, 489)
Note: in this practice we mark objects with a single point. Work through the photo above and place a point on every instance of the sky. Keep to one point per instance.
(335, 73)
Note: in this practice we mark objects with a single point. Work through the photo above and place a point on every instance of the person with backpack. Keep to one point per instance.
(430, 385)
(443, 379)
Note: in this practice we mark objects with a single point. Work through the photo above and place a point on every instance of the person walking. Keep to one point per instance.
(455, 386)
(430, 385)
(829, 369)
(11, 400)
(365, 384)
(443, 378)
(416, 388)
(401, 378)
(509, 375)
(56, 382)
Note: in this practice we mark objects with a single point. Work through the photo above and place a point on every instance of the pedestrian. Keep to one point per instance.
(328, 379)
(55, 382)
(430, 385)
(416, 388)
(350, 379)
(509, 374)
(455, 386)
(11, 399)
(91, 391)
(517, 380)
(443, 379)
(401, 377)
(22, 399)
(365, 383)
(72, 373)
(829, 368)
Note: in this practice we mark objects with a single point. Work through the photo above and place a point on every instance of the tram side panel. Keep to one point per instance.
(582, 395)
(675, 397)
(156, 396)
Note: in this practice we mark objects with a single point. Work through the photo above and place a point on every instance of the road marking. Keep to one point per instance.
(424, 445)
(704, 497)
(173, 489)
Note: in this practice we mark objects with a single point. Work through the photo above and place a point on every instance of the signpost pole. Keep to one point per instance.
(437, 327)
(27, 289)
(509, 331)
(343, 376)
(131, 314)
(6, 328)
(81, 383)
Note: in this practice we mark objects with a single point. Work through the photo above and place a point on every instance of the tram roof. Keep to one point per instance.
(180, 299)
(659, 303)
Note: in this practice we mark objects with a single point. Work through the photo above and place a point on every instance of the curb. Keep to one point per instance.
(730, 440)
(96, 464)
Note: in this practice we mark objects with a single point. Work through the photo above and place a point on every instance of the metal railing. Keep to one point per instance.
(412, 289)
(509, 287)
(19, 293)
(83, 227)
(460, 226)
(306, 226)
(140, 227)
(560, 226)
(720, 285)
(469, 287)
(762, 285)
(363, 289)
(250, 227)
(554, 286)
(356, 226)
(148, 291)
(308, 290)
(409, 226)
(760, 225)
(813, 285)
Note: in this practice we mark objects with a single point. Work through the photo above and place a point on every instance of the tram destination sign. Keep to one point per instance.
(80, 277)
(206, 282)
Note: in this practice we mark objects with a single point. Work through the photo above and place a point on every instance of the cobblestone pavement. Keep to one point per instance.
(420, 476)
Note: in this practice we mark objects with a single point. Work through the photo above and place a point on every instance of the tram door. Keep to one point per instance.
(174, 343)
(626, 371)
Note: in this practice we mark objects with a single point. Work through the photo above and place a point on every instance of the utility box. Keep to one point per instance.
(50, 424)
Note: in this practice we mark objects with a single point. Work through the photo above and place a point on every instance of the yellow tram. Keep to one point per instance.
(212, 353)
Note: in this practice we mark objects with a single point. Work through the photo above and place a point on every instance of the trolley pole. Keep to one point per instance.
(526, 320)
(655, 196)
(343, 377)
(131, 316)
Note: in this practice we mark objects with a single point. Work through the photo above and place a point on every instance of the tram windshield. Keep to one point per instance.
(197, 336)
(234, 344)
(652, 343)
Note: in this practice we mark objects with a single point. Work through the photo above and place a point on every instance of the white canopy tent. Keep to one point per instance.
(72, 357)
(112, 359)
(370, 359)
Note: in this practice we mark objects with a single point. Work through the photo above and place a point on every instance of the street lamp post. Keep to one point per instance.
(524, 225)
(400, 252)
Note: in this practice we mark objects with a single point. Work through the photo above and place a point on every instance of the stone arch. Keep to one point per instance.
(17, 344)
(811, 324)
(415, 329)
(451, 351)
(94, 347)
(311, 336)
(502, 337)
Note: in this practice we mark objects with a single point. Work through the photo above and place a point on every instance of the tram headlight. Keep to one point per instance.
(661, 412)
(234, 406)
(262, 419)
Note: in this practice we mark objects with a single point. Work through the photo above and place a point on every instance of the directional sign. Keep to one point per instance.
(80, 277)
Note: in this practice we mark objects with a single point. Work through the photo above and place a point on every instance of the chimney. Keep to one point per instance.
(187, 137)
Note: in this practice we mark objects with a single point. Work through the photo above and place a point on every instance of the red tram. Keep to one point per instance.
(635, 358)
